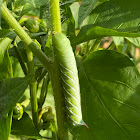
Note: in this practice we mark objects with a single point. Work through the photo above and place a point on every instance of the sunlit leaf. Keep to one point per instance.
(110, 85)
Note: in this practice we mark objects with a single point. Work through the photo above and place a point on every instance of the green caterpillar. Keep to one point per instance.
(69, 77)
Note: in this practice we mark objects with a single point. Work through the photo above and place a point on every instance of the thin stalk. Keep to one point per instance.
(44, 90)
(33, 89)
(88, 47)
(95, 46)
(55, 76)
(7, 16)
(20, 59)
(111, 46)
(42, 76)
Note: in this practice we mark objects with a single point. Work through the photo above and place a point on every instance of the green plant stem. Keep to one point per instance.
(59, 102)
(33, 88)
(55, 76)
(55, 15)
(7, 16)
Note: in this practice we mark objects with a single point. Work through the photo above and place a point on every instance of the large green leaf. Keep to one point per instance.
(110, 85)
(5, 126)
(89, 33)
(122, 15)
(5, 63)
(86, 8)
(24, 127)
(11, 90)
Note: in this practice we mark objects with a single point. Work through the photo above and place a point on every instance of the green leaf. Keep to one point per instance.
(5, 127)
(119, 42)
(30, 6)
(81, 133)
(88, 33)
(86, 8)
(6, 33)
(74, 10)
(135, 41)
(21, 47)
(5, 63)
(68, 26)
(110, 85)
(122, 15)
(19, 3)
(11, 90)
(25, 127)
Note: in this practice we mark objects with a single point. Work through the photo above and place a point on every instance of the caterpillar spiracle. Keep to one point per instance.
(69, 77)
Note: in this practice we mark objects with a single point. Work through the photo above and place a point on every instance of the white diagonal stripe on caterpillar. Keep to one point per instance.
(70, 94)
(68, 84)
(66, 68)
(67, 76)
